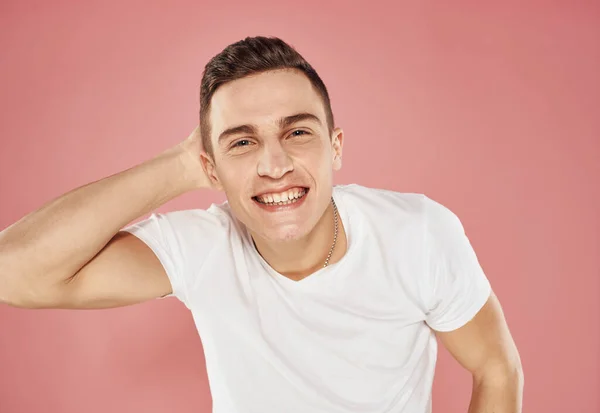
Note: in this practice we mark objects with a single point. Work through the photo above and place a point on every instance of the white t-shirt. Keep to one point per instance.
(353, 337)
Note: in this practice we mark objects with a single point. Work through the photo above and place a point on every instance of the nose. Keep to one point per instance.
(274, 161)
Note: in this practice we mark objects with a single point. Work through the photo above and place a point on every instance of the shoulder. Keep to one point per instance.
(383, 202)
(392, 210)
(215, 215)
(186, 225)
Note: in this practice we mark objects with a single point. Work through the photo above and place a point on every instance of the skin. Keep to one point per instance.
(484, 346)
(271, 156)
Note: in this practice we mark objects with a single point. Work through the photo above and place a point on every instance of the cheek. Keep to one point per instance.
(319, 160)
(235, 175)
(314, 154)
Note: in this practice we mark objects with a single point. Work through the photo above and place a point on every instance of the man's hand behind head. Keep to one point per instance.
(192, 150)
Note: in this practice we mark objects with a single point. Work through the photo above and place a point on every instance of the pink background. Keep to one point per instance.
(491, 109)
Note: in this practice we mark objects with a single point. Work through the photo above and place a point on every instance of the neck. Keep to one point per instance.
(300, 258)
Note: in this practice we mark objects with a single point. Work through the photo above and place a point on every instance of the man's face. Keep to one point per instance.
(271, 143)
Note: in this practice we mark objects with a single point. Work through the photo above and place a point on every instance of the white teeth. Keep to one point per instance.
(282, 198)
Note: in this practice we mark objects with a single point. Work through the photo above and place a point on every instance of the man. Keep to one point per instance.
(309, 297)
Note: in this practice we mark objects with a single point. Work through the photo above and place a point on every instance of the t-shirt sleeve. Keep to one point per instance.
(181, 240)
(457, 283)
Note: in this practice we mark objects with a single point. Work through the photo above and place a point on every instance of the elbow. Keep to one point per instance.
(16, 288)
(7, 279)
(502, 375)
(12, 292)
(506, 370)
(520, 377)
(516, 371)
(515, 378)
(24, 298)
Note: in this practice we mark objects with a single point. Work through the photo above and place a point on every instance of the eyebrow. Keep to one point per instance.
(282, 122)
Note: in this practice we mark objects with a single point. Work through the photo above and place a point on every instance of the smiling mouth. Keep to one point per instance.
(282, 199)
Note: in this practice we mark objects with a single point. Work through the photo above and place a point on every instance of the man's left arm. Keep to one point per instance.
(485, 347)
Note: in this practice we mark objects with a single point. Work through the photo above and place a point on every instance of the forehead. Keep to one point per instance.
(262, 99)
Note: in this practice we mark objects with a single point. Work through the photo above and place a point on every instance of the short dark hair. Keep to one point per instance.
(250, 56)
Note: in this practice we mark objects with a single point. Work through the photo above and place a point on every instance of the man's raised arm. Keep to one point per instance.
(70, 253)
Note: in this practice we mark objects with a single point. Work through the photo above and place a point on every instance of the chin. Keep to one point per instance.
(286, 233)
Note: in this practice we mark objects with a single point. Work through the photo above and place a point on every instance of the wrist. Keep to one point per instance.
(188, 166)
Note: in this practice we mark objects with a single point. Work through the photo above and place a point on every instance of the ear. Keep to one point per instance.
(337, 141)
(208, 163)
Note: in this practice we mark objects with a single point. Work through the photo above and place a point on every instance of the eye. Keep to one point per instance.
(240, 143)
(298, 132)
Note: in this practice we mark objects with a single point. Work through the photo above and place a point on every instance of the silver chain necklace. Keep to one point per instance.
(335, 232)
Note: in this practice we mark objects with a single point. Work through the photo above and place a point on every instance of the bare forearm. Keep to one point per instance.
(63, 235)
(497, 396)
